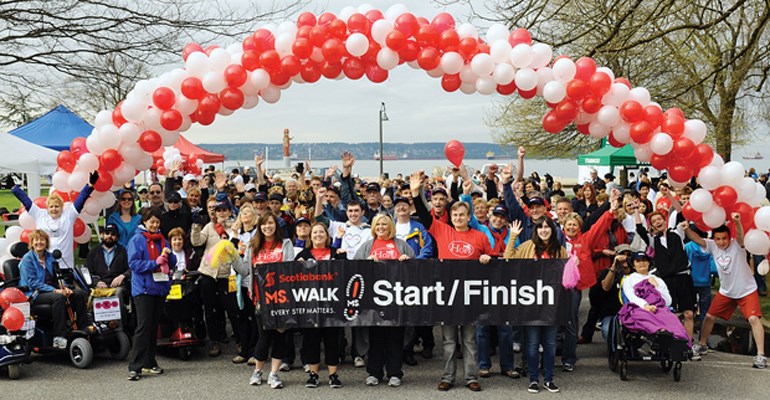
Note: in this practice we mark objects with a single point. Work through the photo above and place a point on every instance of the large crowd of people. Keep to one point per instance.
(619, 236)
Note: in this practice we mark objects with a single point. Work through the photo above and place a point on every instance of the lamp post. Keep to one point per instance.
(383, 117)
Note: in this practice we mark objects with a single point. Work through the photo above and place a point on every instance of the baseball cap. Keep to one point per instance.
(621, 248)
(639, 255)
(500, 210)
(249, 187)
(609, 176)
(301, 220)
(536, 201)
(189, 177)
(276, 196)
(141, 189)
(221, 205)
(111, 228)
(334, 189)
(399, 199)
(373, 187)
(440, 191)
(174, 197)
(260, 196)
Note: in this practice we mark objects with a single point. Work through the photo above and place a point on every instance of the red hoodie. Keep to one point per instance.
(582, 246)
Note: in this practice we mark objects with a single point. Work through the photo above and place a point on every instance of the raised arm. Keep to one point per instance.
(415, 183)
(520, 171)
(515, 230)
(259, 162)
(738, 228)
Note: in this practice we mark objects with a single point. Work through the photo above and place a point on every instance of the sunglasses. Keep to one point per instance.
(155, 192)
(126, 199)
(110, 234)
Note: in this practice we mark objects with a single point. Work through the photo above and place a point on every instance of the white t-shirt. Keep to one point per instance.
(354, 236)
(181, 263)
(735, 278)
(60, 231)
(630, 281)
(402, 230)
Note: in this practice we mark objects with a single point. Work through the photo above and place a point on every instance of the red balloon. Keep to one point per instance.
(10, 296)
(40, 202)
(583, 128)
(338, 29)
(291, 65)
(680, 173)
(674, 111)
(326, 18)
(161, 170)
(631, 111)
(209, 49)
(427, 36)
(24, 237)
(442, 22)
(333, 50)
(13, 319)
(235, 75)
(395, 40)
(111, 159)
(279, 77)
(64, 195)
(577, 89)
(747, 214)
(623, 81)
(449, 40)
(614, 142)
(306, 19)
(65, 160)
(659, 162)
(725, 196)
(232, 99)
(376, 74)
(331, 70)
(409, 52)
(104, 183)
(78, 146)
(353, 68)
(689, 213)
(451, 83)
(163, 98)
(407, 24)
(702, 225)
(428, 59)
(468, 47)
(210, 104)
(508, 89)
(641, 132)
(318, 35)
(190, 48)
(270, 60)
(518, 36)
(683, 148)
(585, 68)
(302, 48)
(264, 40)
(703, 155)
(591, 104)
(150, 141)
(171, 120)
(192, 88)
(117, 116)
(454, 152)
(600, 83)
(673, 124)
(551, 123)
(653, 115)
(567, 110)
(79, 227)
(527, 94)
(310, 72)
(357, 23)
(374, 15)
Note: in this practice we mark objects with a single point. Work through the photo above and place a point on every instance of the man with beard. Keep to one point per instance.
(109, 262)
(176, 216)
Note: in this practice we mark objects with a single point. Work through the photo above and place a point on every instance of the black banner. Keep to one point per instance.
(414, 292)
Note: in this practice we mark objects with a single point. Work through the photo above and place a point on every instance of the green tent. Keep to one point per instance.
(609, 156)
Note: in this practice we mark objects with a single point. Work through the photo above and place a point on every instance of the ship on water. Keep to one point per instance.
(490, 155)
(385, 157)
(755, 156)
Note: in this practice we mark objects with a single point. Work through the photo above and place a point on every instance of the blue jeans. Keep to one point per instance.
(505, 339)
(606, 322)
(536, 336)
(704, 302)
(569, 347)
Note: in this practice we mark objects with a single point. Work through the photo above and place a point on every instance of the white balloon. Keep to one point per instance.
(617, 95)
(554, 91)
(585, 118)
(387, 59)
(270, 94)
(504, 73)
(125, 172)
(451, 62)
(717, 161)
(500, 50)
(526, 79)
(357, 44)
(3, 248)
(643, 153)
(435, 72)
(701, 200)
(564, 69)
(131, 152)
(59, 181)
(609, 73)
(317, 55)
(103, 118)
(521, 55)
(395, 10)
(486, 85)
(94, 144)
(346, 12)
(756, 242)
(219, 59)
(482, 64)
(677, 185)
(77, 180)
(714, 217)
(13, 233)
(197, 64)
(87, 163)
(26, 221)
(260, 79)
(641, 95)
(177, 76)
(763, 267)
(710, 177)
(169, 138)
(283, 43)
(468, 88)
(598, 130)
(732, 172)
(497, 32)
(92, 206)
(609, 116)
(467, 75)
(133, 109)
(250, 102)
(622, 133)
(695, 130)
(544, 76)
(151, 119)
(380, 30)
(661, 143)
(762, 218)
(108, 136)
(214, 82)
(143, 163)
(542, 54)
(107, 199)
(467, 30)
(225, 111)
(746, 190)
(759, 196)
(130, 132)
(88, 219)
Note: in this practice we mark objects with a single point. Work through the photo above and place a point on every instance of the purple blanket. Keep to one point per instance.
(638, 319)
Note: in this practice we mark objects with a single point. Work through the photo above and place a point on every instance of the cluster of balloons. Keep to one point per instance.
(13, 319)
(192, 164)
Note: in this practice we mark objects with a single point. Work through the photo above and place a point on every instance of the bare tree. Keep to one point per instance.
(710, 58)
(47, 42)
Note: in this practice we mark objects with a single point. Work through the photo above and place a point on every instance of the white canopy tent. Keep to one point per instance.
(21, 156)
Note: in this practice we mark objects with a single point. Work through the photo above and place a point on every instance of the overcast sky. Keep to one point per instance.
(348, 111)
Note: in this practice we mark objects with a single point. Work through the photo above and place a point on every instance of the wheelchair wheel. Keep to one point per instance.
(119, 350)
(666, 365)
(624, 370)
(613, 359)
(81, 353)
(677, 371)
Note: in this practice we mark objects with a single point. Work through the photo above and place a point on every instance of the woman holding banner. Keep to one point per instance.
(320, 248)
(269, 247)
(385, 342)
(543, 245)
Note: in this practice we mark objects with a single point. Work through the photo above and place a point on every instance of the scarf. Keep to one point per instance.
(220, 230)
(499, 237)
(152, 247)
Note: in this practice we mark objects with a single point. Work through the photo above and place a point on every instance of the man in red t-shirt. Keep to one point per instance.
(458, 243)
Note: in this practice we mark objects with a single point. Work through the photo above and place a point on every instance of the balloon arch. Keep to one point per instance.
(364, 41)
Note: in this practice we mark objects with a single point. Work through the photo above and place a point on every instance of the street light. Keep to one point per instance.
(383, 117)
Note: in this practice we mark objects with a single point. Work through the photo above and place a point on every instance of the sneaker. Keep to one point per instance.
(371, 381)
(285, 367)
(215, 350)
(760, 361)
(60, 343)
(334, 381)
(568, 368)
(239, 360)
(699, 350)
(152, 371)
(252, 361)
(551, 387)
(394, 381)
(256, 378)
(513, 374)
(133, 376)
(312, 380)
(484, 373)
(358, 362)
(533, 387)
(516, 347)
(274, 381)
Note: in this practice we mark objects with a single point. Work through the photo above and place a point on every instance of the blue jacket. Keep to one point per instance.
(702, 263)
(142, 267)
(32, 276)
(419, 240)
(126, 230)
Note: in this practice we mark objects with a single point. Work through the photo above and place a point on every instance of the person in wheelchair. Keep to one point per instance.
(109, 262)
(38, 275)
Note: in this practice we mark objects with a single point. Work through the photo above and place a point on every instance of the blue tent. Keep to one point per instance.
(55, 129)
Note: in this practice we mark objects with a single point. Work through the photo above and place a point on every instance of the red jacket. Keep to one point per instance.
(582, 246)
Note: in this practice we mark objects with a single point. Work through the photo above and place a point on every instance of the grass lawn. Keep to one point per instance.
(8, 200)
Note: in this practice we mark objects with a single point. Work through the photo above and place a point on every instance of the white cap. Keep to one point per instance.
(249, 186)
(189, 177)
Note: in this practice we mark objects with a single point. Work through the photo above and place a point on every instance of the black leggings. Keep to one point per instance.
(269, 339)
(247, 326)
(217, 301)
(311, 345)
